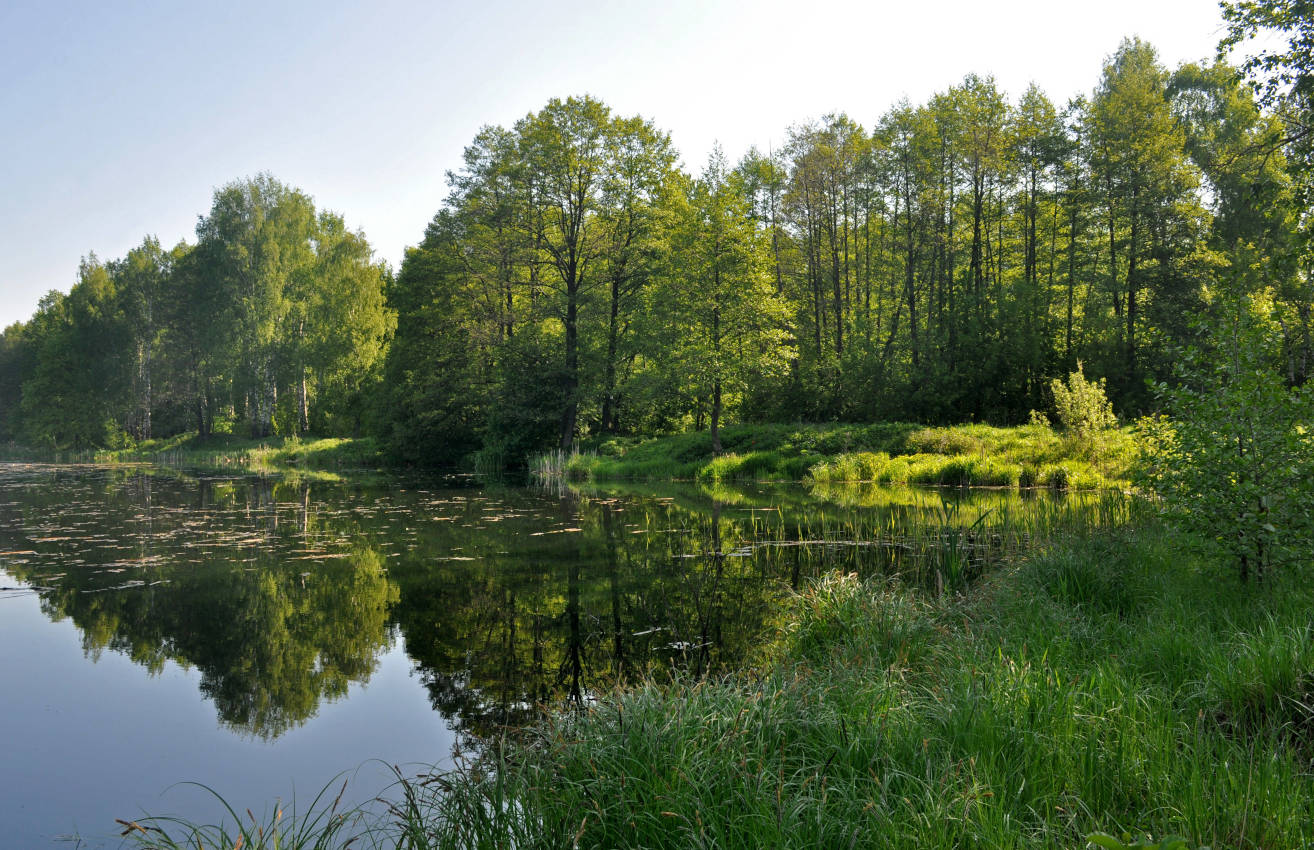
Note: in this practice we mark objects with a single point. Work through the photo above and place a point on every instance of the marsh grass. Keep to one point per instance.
(326, 824)
(888, 453)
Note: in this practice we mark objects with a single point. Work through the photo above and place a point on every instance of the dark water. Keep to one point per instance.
(262, 637)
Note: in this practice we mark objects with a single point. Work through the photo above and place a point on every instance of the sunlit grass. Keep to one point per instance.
(314, 458)
(1077, 692)
(893, 453)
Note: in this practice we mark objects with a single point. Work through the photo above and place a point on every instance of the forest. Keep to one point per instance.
(942, 265)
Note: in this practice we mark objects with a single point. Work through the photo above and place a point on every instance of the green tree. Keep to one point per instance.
(637, 187)
(79, 385)
(1255, 198)
(726, 320)
(564, 153)
(1234, 462)
(1152, 212)
(342, 326)
(1082, 407)
(1283, 76)
(200, 333)
(257, 242)
(435, 375)
(16, 363)
(307, 311)
(140, 280)
(1038, 145)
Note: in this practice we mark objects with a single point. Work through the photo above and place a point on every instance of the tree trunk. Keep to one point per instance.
(609, 396)
(199, 409)
(716, 381)
(716, 416)
(303, 404)
(264, 396)
(570, 411)
(1072, 282)
(303, 397)
(1131, 292)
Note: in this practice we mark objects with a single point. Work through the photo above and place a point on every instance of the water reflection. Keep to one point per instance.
(282, 594)
(232, 578)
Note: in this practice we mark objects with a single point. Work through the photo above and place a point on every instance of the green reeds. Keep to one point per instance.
(324, 825)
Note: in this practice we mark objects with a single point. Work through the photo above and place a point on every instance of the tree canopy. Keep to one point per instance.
(945, 263)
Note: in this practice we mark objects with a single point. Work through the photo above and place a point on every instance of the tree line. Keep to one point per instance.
(274, 320)
(942, 265)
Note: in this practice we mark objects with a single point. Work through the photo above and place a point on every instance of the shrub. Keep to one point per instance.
(1056, 477)
(1234, 461)
(943, 441)
(1082, 406)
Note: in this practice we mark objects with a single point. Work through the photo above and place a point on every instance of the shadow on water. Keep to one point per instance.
(507, 599)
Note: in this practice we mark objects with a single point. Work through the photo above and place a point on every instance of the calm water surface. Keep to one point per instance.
(262, 637)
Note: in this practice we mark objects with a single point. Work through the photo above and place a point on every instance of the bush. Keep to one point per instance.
(943, 441)
(1082, 406)
(1235, 460)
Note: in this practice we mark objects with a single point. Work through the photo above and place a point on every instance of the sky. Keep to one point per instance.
(120, 119)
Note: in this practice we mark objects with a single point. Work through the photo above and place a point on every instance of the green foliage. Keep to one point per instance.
(888, 453)
(433, 409)
(576, 285)
(276, 316)
(841, 614)
(1082, 407)
(729, 323)
(1262, 681)
(1233, 460)
(307, 311)
(1108, 842)
(1059, 237)
(1282, 71)
(287, 456)
(1011, 718)
(78, 379)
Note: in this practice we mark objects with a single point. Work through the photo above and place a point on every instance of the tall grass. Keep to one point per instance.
(316, 457)
(890, 453)
(895, 720)
(326, 824)
(1110, 681)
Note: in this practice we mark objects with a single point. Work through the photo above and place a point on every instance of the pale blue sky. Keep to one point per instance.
(120, 118)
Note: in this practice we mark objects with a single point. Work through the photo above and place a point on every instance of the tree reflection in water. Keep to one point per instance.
(508, 599)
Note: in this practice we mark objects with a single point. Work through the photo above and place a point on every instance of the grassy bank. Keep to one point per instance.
(887, 453)
(1109, 684)
(1120, 682)
(325, 457)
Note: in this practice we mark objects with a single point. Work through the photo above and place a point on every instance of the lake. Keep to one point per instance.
(271, 638)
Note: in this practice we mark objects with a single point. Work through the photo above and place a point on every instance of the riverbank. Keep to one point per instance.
(1118, 681)
(884, 453)
(309, 457)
